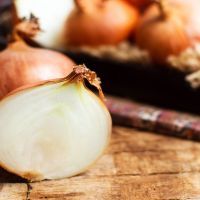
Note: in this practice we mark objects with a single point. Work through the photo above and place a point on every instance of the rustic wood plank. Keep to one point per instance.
(138, 165)
(155, 187)
(12, 191)
(142, 153)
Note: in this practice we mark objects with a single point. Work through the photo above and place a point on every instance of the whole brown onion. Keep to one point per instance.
(21, 64)
(169, 27)
(100, 22)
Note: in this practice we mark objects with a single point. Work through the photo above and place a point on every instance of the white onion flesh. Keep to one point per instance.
(52, 17)
(52, 131)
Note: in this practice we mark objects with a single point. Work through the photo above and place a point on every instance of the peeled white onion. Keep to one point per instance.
(52, 15)
(53, 130)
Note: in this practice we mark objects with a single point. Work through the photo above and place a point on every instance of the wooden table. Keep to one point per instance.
(137, 166)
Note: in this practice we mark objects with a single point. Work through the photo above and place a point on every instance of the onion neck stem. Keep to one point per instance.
(162, 7)
(81, 5)
(88, 5)
(15, 37)
(26, 28)
(80, 73)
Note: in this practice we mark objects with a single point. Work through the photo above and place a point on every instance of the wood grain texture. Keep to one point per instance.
(137, 166)
(10, 191)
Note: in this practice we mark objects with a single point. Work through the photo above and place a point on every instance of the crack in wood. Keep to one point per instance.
(29, 188)
(67, 195)
(172, 173)
(148, 151)
(143, 174)
(179, 199)
(161, 173)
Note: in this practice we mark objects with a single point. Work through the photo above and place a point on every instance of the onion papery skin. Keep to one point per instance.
(56, 129)
(22, 65)
(170, 35)
(108, 24)
(190, 14)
